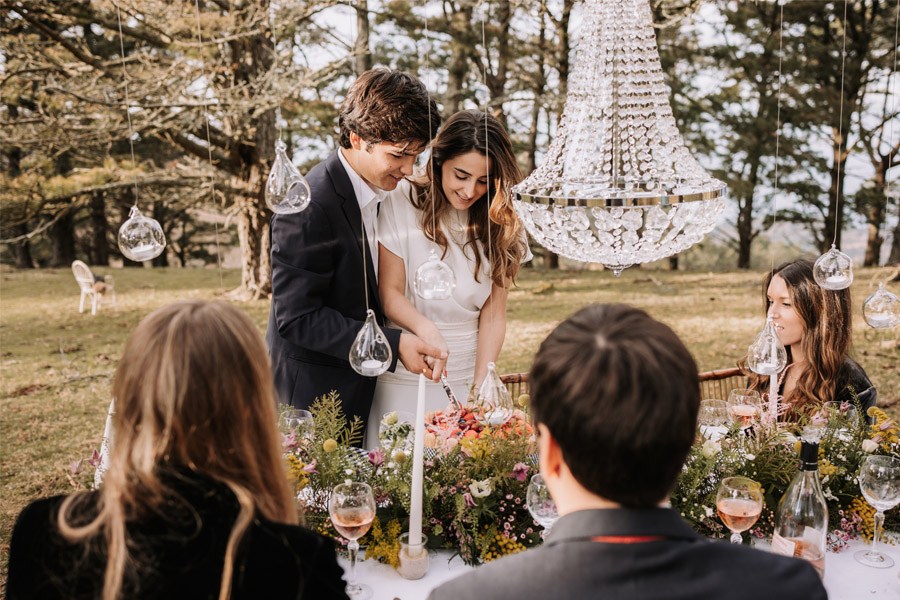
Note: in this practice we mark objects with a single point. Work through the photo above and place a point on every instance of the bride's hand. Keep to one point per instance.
(438, 366)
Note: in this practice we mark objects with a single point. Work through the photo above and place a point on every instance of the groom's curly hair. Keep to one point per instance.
(388, 106)
(619, 392)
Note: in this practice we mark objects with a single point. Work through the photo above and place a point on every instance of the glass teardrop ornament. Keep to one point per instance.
(286, 189)
(370, 354)
(766, 355)
(493, 399)
(881, 310)
(434, 278)
(833, 270)
(141, 238)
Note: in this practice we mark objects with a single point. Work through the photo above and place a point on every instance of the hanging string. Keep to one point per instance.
(430, 133)
(487, 161)
(209, 142)
(838, 186)
(892, 84)
(778, 122)
(127, 103)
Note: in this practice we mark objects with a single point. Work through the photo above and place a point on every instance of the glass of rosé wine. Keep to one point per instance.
(739, 503)
(744, 407)
(352, 509)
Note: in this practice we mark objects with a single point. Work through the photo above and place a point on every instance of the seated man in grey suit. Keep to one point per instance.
(614, 395)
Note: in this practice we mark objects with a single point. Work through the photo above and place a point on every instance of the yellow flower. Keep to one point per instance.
(329, 445)
(524, 400)
(501, 546)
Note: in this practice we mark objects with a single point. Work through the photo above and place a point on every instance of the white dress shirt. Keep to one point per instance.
(368, 198)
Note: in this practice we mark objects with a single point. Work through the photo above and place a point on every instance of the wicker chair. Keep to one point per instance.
(713, 384)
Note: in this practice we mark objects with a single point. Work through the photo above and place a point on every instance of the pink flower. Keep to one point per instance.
(77, 467)
(94, 460)
(310, 468)
(376, 457)
(520, 471)
(470, 502)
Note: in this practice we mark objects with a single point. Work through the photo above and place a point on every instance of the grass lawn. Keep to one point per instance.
(57, 363)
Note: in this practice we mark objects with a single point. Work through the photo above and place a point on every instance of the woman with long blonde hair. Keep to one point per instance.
(196, 502)
(462, 208)
(815, 326)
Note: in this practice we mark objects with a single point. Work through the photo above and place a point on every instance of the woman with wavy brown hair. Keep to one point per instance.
(196, 502)
(462, 208)
(815, 326)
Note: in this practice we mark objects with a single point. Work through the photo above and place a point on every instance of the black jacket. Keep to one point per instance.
(318, 297)
(179, 554)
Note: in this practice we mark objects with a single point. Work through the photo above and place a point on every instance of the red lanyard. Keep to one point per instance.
(626, 539)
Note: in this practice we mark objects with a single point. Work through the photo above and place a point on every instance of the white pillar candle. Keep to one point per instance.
(418, 469)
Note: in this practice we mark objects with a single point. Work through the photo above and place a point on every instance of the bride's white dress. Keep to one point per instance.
(400, 232)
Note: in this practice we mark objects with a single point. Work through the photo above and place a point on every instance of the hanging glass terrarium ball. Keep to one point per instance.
(286, 189)
(493, 399)
(881, 310)
(370, 354)
(141, 238)
(833, 270)
(766, 355)
(434, 278)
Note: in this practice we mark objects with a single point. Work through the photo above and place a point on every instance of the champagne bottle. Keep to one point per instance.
(801, 520)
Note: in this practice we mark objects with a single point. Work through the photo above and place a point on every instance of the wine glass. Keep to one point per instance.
(744, 406)
(879, 480)
(352, 509)
(298, 421)
(540, 504)
(712, 418)
(739, 503)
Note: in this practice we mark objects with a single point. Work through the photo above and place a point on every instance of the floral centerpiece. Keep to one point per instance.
(769, 455)
(475, 480)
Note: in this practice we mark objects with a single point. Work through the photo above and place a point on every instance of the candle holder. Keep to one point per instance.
(413, 557)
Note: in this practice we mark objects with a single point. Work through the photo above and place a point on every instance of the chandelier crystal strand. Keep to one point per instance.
(140, 238)
(834, 269)
(617, 185)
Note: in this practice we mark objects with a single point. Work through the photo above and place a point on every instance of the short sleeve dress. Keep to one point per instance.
(399, 230)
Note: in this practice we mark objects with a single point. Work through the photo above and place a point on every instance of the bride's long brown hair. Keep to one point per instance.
(193, 390)
(827, 328)
(504, 242)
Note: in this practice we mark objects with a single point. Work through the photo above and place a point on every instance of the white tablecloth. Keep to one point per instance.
(845, 579)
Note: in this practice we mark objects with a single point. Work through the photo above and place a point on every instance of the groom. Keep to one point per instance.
(318, 255)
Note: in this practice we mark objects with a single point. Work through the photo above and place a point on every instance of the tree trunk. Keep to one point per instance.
(99, 230)
(832, 231)
(362, 56)
(22, 249)
(461, 27)
(894, 258)
(253, 56)
(673, 263)
(62, 241)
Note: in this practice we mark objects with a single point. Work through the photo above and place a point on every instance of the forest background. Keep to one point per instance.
(209, 85)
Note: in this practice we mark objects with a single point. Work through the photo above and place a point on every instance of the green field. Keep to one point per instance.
(57, 363)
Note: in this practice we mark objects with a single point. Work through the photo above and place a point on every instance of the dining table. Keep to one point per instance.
(845, 579)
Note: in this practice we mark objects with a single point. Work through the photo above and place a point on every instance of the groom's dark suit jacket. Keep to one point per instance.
(318, 298)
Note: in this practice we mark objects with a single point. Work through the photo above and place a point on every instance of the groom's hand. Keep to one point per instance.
(413, 352)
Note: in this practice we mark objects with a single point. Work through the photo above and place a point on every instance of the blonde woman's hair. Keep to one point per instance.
(193, 390)
(504, 242)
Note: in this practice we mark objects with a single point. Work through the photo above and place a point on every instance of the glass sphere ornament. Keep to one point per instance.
(286, 189)
(370, 354)
(493, 399)
(766, 355)
(881, 310)
(833, 270)
(434, 278)
(141, 238)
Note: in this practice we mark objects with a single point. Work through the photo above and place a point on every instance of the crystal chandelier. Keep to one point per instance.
(617, 185)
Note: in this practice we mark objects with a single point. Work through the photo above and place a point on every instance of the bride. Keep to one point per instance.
(462, 208)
